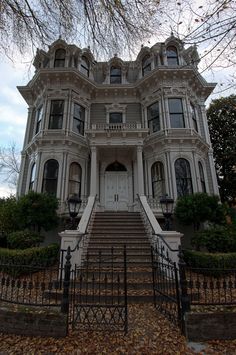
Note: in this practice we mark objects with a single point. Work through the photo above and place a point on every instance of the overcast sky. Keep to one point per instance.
(13, 109)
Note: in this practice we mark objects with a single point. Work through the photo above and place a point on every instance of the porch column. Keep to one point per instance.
(140, 170)
(93, 178)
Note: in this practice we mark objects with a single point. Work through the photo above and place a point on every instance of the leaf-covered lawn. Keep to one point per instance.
(149, 333)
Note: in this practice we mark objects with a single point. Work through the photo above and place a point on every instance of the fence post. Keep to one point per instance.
(66, 283)
(185, 301)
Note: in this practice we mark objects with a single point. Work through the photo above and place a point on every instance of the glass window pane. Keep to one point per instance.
(115, 117)
(175, 106)
(183, 177)
(74, 179)
(50, 176)
(177, 120)
(158, 181)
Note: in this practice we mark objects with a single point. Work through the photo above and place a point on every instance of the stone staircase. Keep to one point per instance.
(109, 233)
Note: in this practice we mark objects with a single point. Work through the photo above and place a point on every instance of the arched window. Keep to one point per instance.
(32, 177)
(75, 179)
(202, 178)
(158, 180)
(115, 75)
(183, 177)
(50, 176)
(85, 66)
(172, 56)
(60, 56)
(153, 117)
(146, 65)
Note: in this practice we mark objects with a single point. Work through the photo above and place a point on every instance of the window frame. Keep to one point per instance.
(146, 64)
(116, 76)
(47, 179)
(184, 184)
(116, 113)
(160, 180)
(153, 119)
(60, 60)
(55, 117)
(32, 177)
(170, 57)
(77, 119)
(202, 177)
(174, 114)
(74, 182)
(193, 117)
(85, 66)
(39, 117)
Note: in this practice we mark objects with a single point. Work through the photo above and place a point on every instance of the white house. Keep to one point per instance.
(119, 128)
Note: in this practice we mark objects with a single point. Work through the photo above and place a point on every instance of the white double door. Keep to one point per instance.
(116, 191)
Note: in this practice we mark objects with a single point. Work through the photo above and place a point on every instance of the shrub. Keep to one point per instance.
(36, 211)
(220, 239)
(23, 240)
(198, 208)
(18, 262)
(8, 223)
(197, 259)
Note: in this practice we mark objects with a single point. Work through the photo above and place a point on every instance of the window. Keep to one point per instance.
(153, 117)
(78, 119)
(39, 115)
(75, 179)
(32, 177)
(56, 114)
(146, 65)
(176, 113)
(158, 181)
(50, 176)
(115, 75)
(115, 117)
(85, 66)
(60, 56)
(183, 177)
(116, 166)
(193, 116)
(172, 56)
(202, 178)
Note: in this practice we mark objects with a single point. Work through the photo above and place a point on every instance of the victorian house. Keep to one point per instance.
(117, 129)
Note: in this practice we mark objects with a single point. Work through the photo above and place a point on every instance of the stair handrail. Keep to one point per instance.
(157, 235)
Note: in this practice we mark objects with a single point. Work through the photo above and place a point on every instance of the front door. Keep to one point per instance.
(116, 191)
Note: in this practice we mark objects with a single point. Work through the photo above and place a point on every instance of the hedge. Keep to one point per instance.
(17, 262)
(197, 259)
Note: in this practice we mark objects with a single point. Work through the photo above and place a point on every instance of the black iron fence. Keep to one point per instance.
(94, 296)
(37, 286)
(177, 289)
(99, 292)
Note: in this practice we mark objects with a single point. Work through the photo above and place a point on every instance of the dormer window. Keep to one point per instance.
(172, 56)
(146, 65)
(60, 56)
(115, 75)
(85, 66)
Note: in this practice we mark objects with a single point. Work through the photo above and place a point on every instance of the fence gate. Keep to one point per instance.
(99, 292)
(166, 285)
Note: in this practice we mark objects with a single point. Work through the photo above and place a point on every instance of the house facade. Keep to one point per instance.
(119, 128)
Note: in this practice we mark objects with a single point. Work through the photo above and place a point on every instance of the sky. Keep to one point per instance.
(13, 109)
